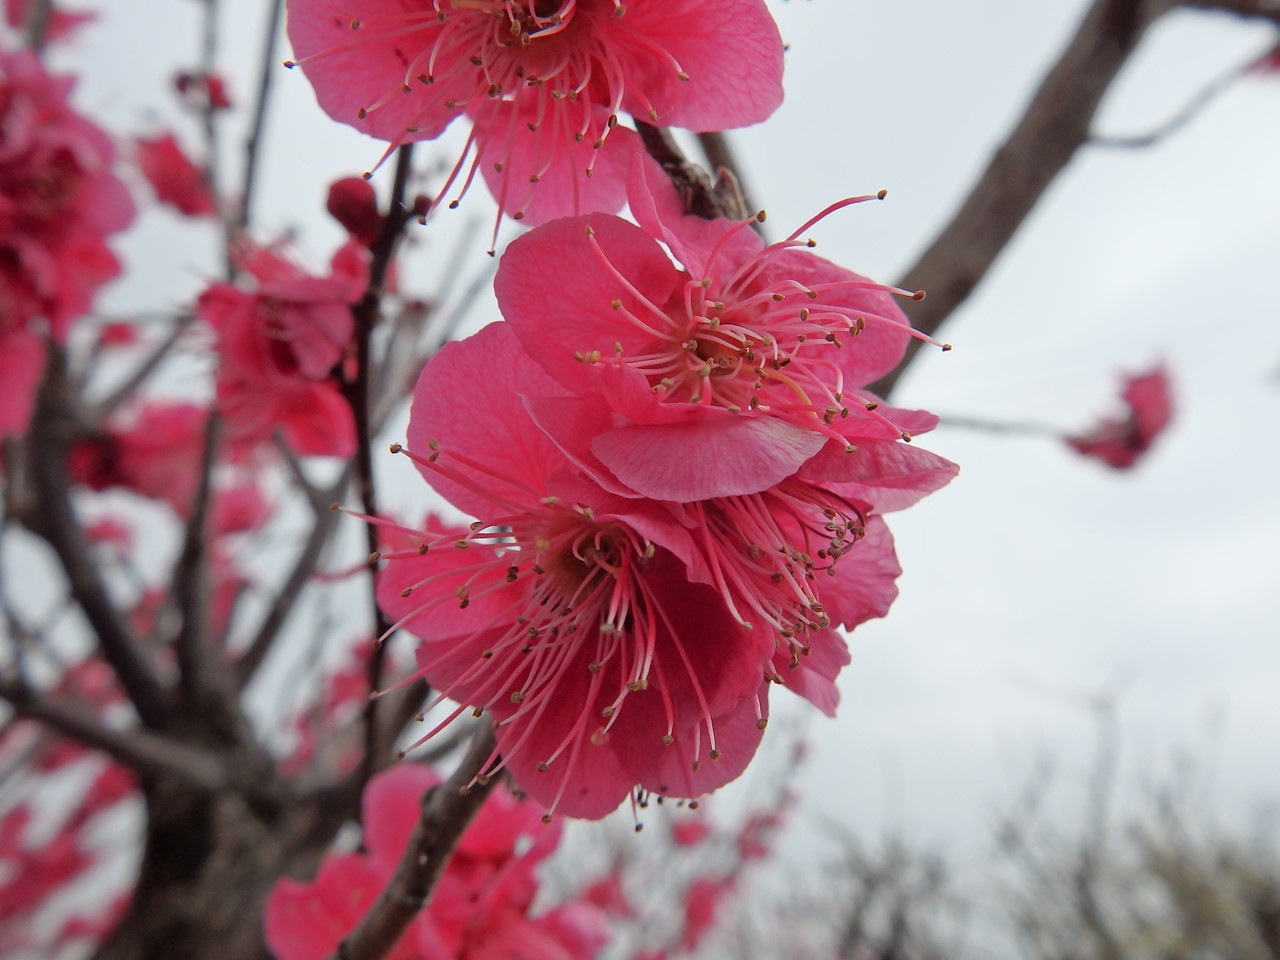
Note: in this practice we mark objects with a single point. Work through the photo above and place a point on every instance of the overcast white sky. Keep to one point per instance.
(1037, 577)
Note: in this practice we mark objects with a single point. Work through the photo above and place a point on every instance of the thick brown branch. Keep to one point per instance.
(55, 521)
(145, 753)
(1054, 126)
(446, 812)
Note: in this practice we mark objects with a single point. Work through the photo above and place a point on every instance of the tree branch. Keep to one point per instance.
(146, 753)
(446, 812)
(1249, 9)
(253, 143)
(690, 180)
(376, 750)
(56, 522)
(1054, 126)
(308, 558)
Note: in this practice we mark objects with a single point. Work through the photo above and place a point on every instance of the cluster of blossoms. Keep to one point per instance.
(676, 479)
(678, 483)
(481, 907)
(59, 201)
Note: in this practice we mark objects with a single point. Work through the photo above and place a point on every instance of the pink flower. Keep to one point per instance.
(281, 347)
(567, 612)
(1121, 443)
(175, 179)
(480, 908)
(751, 354)
(156, 452)
(542, 80)
(58, 201)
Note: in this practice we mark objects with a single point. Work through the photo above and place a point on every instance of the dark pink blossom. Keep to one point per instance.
(58, 201)
(543, 81)
(155, 452)
(480, 908)
(1121, 442)
(566, 612)
(281, 345)
(752, 354)
(175, 179)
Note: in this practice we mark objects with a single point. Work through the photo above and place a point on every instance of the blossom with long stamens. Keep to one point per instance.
(791, 561)
(543, 81)
(753, 354)
(568, 613)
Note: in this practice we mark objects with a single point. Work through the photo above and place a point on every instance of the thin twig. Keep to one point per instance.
(367, 314)
(36, 23)
(289, 594)
(1190, 110)
(446, 812)
(253, 143)
(212, 142)
(129, 387)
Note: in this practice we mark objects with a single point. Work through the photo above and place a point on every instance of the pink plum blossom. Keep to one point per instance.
(58, 202)
(543, 81)
(156, 452)
(752, 354)
(58, 199)
(480, 907)
(567, 612)
(175, 179)
(281, 346)
(1121, 442)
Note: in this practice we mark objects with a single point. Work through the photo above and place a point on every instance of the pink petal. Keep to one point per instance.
(730, 50)
(391, 808)
(737, 737)
(558, 293)
(352, 70)
(814, 675)
(719, 456)
(888, 474)
(512, 156)
(486, 372)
